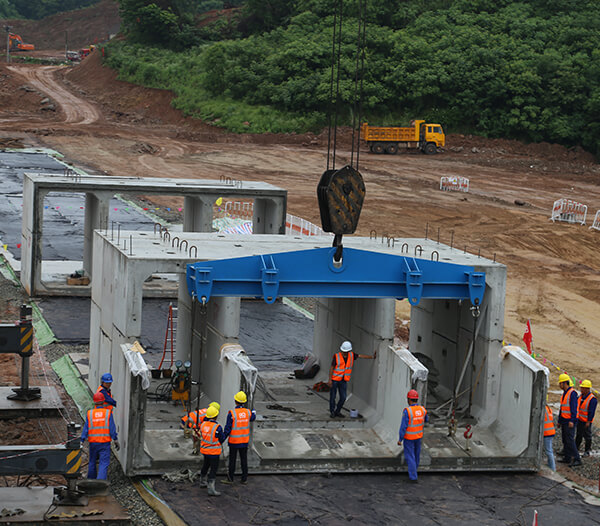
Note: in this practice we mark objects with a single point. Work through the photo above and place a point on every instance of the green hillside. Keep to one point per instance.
(37, 9)
(523, 70)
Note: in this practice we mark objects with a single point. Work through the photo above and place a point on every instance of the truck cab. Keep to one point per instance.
(430, 133)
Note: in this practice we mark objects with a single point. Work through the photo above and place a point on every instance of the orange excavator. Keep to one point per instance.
(17, 44)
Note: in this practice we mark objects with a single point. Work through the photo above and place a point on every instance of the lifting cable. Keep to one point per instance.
(358, 86)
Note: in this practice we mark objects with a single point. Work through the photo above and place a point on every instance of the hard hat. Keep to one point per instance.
(564, 378)
(586, 383)
(241, 397)
(212, 412)
(216, 405)
(412, 395)
(346, 347)
(106, 377)
(98, 398)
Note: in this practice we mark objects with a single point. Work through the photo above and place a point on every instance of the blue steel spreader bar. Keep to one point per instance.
(312, 273)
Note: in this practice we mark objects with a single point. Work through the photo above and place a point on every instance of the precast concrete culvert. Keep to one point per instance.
(497, 391)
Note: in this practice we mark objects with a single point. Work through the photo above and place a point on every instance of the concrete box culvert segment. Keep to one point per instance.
(501, 395)
(269, 213)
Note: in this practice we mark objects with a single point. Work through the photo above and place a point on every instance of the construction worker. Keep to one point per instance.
(567, 419)
(586, 409)
(211, 438)
(99, 429)
(105, 384)
(411, 432)
(549, 433)
(192, 421)
(339, 376)
(237, 429)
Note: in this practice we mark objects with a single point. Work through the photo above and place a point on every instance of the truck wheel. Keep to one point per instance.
(378, 147)
(392, 148)
(430, 148)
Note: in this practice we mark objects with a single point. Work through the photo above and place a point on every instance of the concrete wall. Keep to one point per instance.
(402, 372)
(522, 396)
(369, 325)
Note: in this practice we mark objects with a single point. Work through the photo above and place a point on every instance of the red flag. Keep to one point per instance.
(528, 337)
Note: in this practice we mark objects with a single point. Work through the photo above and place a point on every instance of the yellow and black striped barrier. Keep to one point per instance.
(26, 339)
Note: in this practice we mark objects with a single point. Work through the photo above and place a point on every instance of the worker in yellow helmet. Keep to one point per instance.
(193, 420)
(567, 419)
(237, 429)
(586, 409)
(211, 438)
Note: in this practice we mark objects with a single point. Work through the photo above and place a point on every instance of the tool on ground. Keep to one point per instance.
(468, 434)
(17, 338)
(181, 382)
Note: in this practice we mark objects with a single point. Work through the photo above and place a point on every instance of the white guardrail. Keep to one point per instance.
(596, 223)
(454, 184)
(569, 211)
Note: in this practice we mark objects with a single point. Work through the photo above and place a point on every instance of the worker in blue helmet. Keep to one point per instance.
(105, 384)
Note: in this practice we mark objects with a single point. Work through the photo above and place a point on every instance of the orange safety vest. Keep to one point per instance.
(565, 405)
(549, 430)
(195, 418)
(416, 420)
(209, 443)
(240, 428)
(98, 420)
(582, 407)
(105, 405)
(342, 371)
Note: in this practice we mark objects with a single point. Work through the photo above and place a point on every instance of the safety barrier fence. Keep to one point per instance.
(454, 184)
(596, 223)
(569, 211)
(297, 225)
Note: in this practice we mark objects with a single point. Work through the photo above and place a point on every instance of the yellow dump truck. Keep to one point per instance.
(423, 135)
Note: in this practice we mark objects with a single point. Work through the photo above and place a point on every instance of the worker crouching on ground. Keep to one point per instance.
(339, 376)
(411, 432)
(586, 410)
(567, 419)
(105, 385)
(211, 438)
(237, 429)
(99, 429)
(192, 421)
(549, 432)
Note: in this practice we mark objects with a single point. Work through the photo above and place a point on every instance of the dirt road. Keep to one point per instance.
(553, 269)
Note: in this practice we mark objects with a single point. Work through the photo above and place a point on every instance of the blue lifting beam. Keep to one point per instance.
(313, 273)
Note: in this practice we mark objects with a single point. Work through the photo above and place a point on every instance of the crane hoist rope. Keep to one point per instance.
(341, 192)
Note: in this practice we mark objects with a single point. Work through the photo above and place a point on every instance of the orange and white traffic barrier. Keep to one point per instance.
(454, 184)
(569, 211)
(297, 225)
(596, 223)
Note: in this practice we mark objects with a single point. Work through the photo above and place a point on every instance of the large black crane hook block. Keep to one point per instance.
(341, 194)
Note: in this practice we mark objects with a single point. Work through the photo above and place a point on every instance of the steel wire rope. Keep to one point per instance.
(337, 83)
(331, 84)
(362, 76)
(360, 55)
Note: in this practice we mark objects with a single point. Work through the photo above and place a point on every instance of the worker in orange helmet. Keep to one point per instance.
(99, 429)
(411, 432)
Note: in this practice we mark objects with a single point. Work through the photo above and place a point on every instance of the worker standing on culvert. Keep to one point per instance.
(339, 376)
(211, 438)
(549, 432)
(567, 419)
(192, 421)
(586, 409)
(237, 429)
(99, 429)
(411, 432)
(105, 384)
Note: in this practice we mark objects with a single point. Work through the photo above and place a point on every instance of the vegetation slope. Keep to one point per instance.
(527, 70)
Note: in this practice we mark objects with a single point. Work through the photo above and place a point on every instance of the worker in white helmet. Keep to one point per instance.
(339, 375)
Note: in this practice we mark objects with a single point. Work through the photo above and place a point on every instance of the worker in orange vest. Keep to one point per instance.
(411, 432)
(586, 410)
(549, 433)
(567, 419)
(99, 429)
(211, 438)
(105, 384)
(192, 421)
(339, 376)
(237, 429)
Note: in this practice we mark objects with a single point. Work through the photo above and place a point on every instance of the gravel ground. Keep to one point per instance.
(588, 473)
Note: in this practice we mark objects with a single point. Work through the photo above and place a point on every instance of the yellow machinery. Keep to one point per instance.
(181, 382)
(425, 136)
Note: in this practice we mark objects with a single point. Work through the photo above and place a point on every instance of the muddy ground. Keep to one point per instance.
(111, 127)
